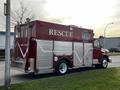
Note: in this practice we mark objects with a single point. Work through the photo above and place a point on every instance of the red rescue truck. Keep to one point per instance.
(44, 47)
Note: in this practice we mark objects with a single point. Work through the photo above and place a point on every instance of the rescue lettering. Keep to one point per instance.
(60, 33)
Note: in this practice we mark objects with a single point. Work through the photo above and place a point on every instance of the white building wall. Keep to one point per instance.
(111, 42)
(2, 41)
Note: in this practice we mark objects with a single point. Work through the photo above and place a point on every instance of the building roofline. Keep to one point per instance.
(111, 37)
(3, 33)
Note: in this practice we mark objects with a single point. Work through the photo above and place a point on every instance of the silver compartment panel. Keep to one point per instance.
(88, 54)
(62, 48)
(44, 54)
(78, 54)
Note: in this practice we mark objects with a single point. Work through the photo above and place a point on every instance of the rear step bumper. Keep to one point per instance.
(18, 64)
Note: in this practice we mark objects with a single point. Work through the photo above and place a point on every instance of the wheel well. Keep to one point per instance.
(106, 57)
(67, 61)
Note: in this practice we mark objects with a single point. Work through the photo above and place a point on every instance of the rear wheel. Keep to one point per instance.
(62, 68)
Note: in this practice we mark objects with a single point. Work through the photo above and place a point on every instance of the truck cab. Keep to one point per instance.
(100, 55)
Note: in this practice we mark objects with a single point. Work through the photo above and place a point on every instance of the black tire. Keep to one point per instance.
(104, 63)
(61, 68)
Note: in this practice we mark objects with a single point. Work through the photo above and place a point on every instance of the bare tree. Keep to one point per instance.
(19, 15)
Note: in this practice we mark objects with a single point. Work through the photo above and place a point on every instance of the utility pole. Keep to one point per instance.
(7, 44)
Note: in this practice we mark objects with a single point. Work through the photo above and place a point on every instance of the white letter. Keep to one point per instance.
(71, 34)
(51, 32)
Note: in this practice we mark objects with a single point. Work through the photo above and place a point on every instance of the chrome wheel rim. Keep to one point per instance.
(105, 63)
(63, 68)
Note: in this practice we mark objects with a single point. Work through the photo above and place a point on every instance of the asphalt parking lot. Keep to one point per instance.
(18, 76)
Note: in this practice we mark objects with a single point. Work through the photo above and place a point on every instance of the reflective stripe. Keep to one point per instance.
(23, 54)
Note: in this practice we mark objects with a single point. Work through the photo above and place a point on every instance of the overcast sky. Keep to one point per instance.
(93, 14)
